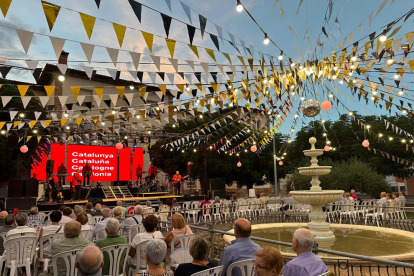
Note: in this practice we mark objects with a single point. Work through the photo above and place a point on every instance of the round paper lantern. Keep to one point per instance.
(253, 148)
(239, 164)
(24, 148)
(280, 163)
(365, 143)
(326, 148)
(326, 105)
(119, 146)
(311, 108)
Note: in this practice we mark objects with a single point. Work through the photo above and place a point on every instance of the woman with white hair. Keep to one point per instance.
(118, 214)
(155, 254)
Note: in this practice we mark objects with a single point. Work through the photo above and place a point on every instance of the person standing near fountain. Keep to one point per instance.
(305, 263)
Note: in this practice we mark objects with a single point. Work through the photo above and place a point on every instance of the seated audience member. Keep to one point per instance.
(34, 215)
(147, 208)
(134, 220)
(395, 196)
(305, 263)
(53, 228)
(118, 214)
(106, 214)
(67, 212)
(217, 199)
(21, 221)
(98, 210)
(180, 228)
(77, 210)
(402, 196)
(205, 202)
(3, 215)
(150, 223)
(155, 254)
(62, 207)
(263, 198)
(353, 195)
(9, 224)
(233, 198)
(137, 202)
(348, 198)
(72, 241)
(174, 203)
(383, 198)
(268, 262)
(389, 197)
(200, 251)
(88, 208)
(120, 204)
(242, 248)
(83, 219)
(90, 261)
(112, 238)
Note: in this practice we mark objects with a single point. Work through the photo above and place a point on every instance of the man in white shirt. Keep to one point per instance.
(106, 214)
(383, 198)
(134, 220)
(21, 221)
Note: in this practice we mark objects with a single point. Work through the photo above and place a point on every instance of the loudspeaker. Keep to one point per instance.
(49, 166)
(22, 203)
(15, 188)
(220, 194)
(95, 200)
(32, 188)
(189, 165)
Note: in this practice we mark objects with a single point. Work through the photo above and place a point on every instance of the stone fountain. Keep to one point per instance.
(316, 197)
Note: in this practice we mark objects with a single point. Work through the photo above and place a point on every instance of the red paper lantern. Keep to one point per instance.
(326, 105)
(253, 148)
(365, 143)
(280, 163)
(24, 148)
(119, 146)
(326, 148)
(239, 164)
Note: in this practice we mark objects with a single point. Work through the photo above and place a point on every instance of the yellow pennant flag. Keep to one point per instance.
(95, 120)
(32, 123)
(99, 91)
(20, 138)
(195, 50)
(22, 89)
(16, 123)
(181, 87)
(171, 46)
(49, 90)
(411, 62)
(228, 57)
(47, 123)
(2, 124)
(51, 13)
(142, 90)
(75, 91)
(242, 60)
(199, 86)
(79, 121)
(4, 6)
(28, 138)
(39, 138)
(163, 88)
(149, 38)
(88, 23)
(211, 54)
(143, 114)
(63, 122)
(120, 90)
(120, 33)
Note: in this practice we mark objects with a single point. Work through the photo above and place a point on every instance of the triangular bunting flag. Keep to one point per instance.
(211, 54)
(5, 5)
(195, 50)
(137, 8)
(149, 38)
(113, 54)
(120, 33)
(22, 89)
(44, 100)
(57, 44)
(99, 91)
(63, 99)
(130, 97)
(62, 68)
(120, 90)
(63, 122)
(191, 32)
(171, 46)
(49, 90)
(32, 124)
(51, 13)
(25, 101)
(97, 100)
(163, 88)
(88, 71)
(81, 98)
(135, 59)
(88, 23)
(25, 38)
(75, 91)
(167, 23)
(187, 11)
(157, 61)
(203, 23)
(5, 100)
(114, 98)
(112, 73)
(88, 50)
(174, 63)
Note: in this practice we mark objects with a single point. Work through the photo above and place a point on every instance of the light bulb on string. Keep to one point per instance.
(390, 61)
(396, 76)
(280, 57)
(266, 39)
(401, 92)
(383, 37)
(239, 7)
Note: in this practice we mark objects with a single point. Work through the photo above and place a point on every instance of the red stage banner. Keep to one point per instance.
(57, 154)
(125, 164)
(137, 159)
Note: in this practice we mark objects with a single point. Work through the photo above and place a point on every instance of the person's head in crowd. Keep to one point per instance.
(395, 195)
(206, 198)
(155, 252)
(262, 195)
(137, 202)
(82, 218)
(21, 219)
(174, 201)
(178, 221)
(268, 262)
(302, 241)
(168, 202)
(98, 207)
(150, 223)
(148, 203)
(72, 229)
(89, 206)
(119, 203)
(138, 210)
(242, 228)
(228, 197)
(352, 191)
(234, 197)
(3, 215)
(117, 211)
(112, 227)
(389, 196)
(199, 249)
(216, 199)
(89, 261)
(62, 207)
(67, 211)
(106, 213)
(34, 211)
(55, 216)
(256, 196)
(383, 194)
(77, 209)
(10, 220)
(347, 195)
(402, 193)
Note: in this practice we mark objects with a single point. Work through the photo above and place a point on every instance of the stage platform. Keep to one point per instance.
(112, 201)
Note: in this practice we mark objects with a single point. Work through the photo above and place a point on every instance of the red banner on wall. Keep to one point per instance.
(125, 164)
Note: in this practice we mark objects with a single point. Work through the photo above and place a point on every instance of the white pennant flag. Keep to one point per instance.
(114, 98)
(152, 76)
(130, 97)
(81, 98)
(220, 33)
(135, 59)
(159, 94)
(63, 99)
(97, 100)
(113, 54)
(88, 50)
(57, 44)
(88, 71)
(25, 39)
(32, 64)
(20, 125)
(205, 67)
(44, 100)
(157, 61)
(9, 126)
(174, 63)
(112, 73)
(12, 115)
(62, 68)
(37, 115)
(174, 92)
(220, 67)
(5, 100)
(43, 124)
(187, 11)
(170, 77)
(191, 64)
(26, 100)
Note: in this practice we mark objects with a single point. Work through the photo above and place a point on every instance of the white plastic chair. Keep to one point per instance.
(216, 211)
(139, 250)
(47, 239)
(206, 212)
(186, 207)
(100, 235)
(216, 271)
(24, 245)
(134, 230)
(97, 219)
(324, 274)
(246, 267)
(115, 253)
(163, 216)
(69, 259)
(175, 210)
(225, 210)
(193, 212)
(88, 234)
(184, 242)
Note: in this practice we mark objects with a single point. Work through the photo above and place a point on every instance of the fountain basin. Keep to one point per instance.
(316, 170)
(317, 197)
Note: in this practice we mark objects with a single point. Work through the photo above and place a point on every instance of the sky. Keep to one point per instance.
(28, 15)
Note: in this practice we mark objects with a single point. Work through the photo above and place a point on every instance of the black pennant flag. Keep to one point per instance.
(203, 23)
(107, 102)
(137, 8)
(382, 82)
(324, 32)
(198, 76)
(191, 32)
(98, 3)
(69, 106)
(214, 76)
(194, 92)
(140, 75)
(4, 70)
(162, 75)
(215, 41)
(181, 74)
(36, 73)
(371, 37)
(167, 23)
(88, 105)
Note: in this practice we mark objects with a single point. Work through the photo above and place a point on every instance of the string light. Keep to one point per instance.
(354, 58)
(292, 64)
(113, 111)
(66, 115)
(341, 82)
(390, 61)
(131, 87)
(383, 37)
(239, 7)
(350, 113)
(61, 78)
(21, 115)
(280, 57)
(396, 76)
(380, 135)
(401, 92)
(103, 123)
(266, 39)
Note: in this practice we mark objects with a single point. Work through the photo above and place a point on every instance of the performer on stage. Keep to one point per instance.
(86, 173)
(139, 172)
(177, 183)
(76, 185)
(53, 186)
(61, 170)
(152, 171)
